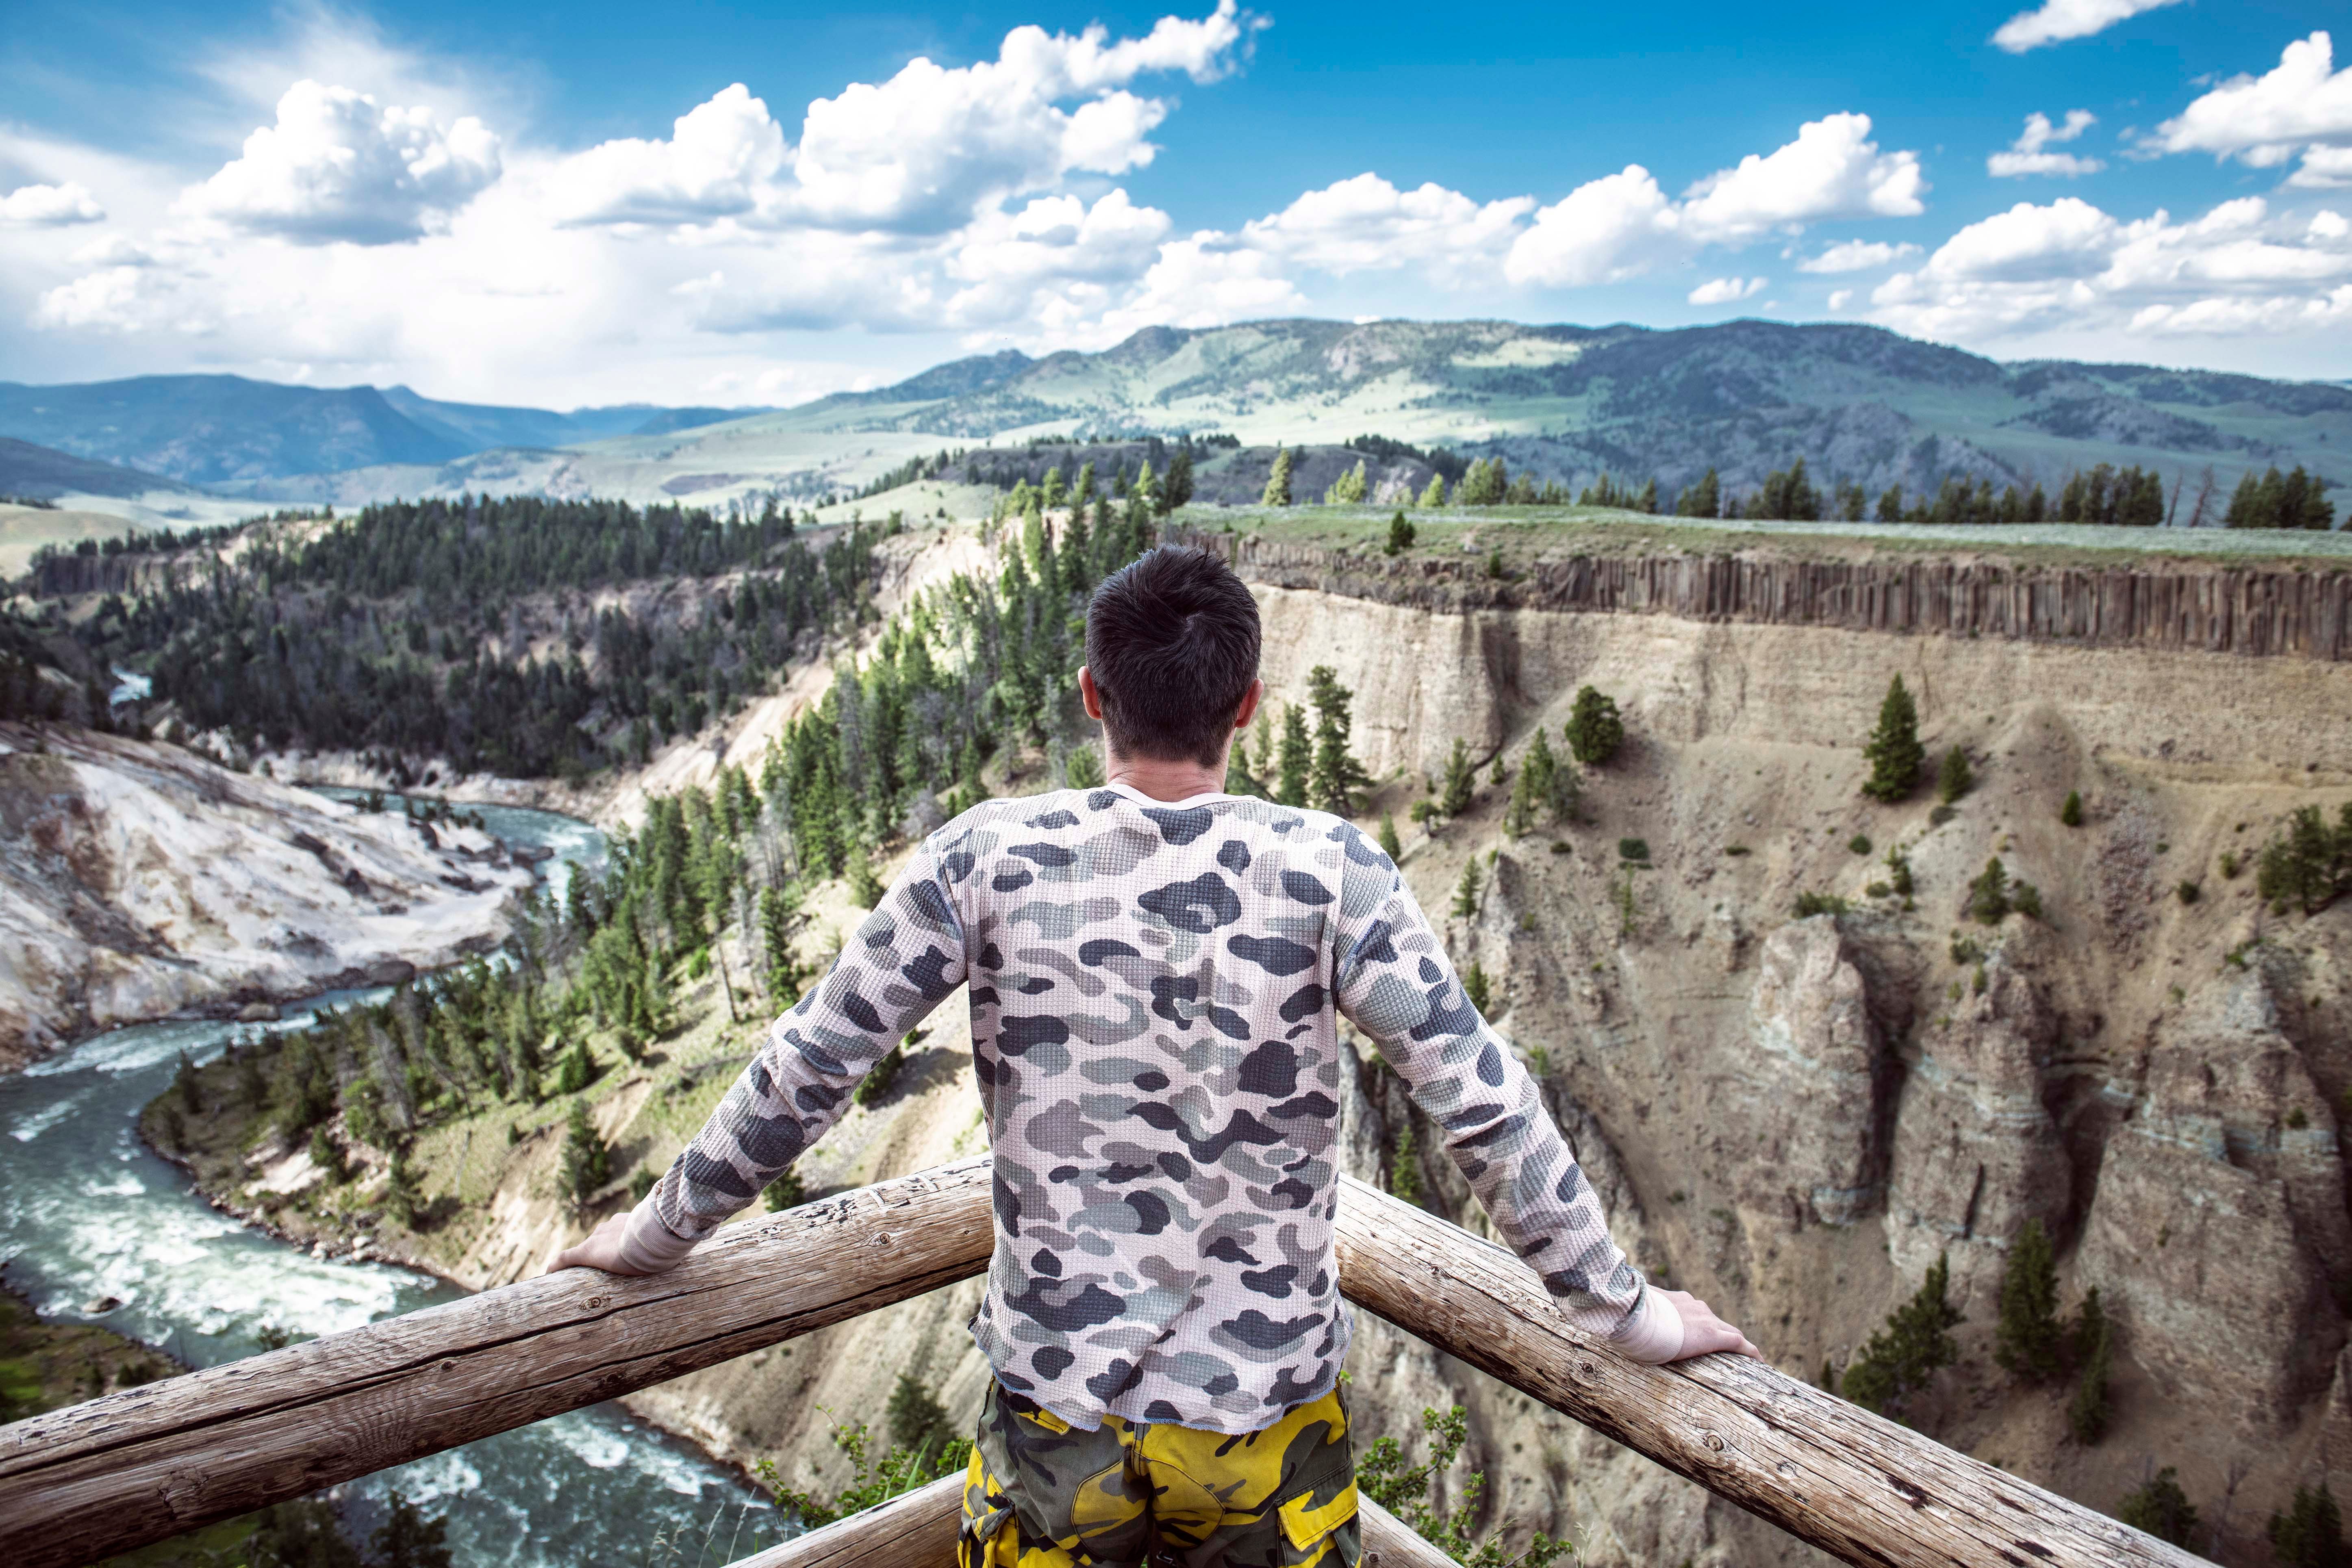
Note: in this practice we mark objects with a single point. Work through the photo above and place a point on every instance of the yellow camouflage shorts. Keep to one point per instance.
(1041, 1493)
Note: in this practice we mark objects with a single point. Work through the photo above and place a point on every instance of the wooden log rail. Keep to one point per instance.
(137, 1466)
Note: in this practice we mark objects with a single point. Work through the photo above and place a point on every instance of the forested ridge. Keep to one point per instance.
(487, 634)
(977, 675)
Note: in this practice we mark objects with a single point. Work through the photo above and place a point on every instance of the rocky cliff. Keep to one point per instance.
(137, 880)
(1796, 1118)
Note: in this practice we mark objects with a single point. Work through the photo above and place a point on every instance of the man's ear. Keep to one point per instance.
(1243, 714)
(1090, 695)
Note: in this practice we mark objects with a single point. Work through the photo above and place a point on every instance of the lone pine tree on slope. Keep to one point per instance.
(1894, 752)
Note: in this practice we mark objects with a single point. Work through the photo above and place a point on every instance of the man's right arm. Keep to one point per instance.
(905, 959)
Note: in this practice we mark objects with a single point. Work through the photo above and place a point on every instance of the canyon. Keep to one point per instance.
(1793, 1116)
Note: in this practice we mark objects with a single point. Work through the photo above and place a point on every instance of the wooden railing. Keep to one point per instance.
(135, 1466)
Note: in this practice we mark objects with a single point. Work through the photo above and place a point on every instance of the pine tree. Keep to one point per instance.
(1177, 489)
(576, 1070)
(1278, 482)
(1390, 846)
(1465, 891)
(1433, 494)
(403, 1196)
(2310, 1534)
(2161, 1509)
(1703, 498)
(1987, 901)
(920, 1424)
(1594, 731)
(1295, 760)
(1335, 778)
(1401, 534)
(1476, 988)
(2087, 1413)
(2029, 1340)
(780, 920)
(1461, 781)
(586, 1161)
(1894, 752)
(2071, 814)
(1349, 489)
(1905, 1355)
(408, 1538)
(1953, 779)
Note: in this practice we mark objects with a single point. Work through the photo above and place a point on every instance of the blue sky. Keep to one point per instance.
(502, 202)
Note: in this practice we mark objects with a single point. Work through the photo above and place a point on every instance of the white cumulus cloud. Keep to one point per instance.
(1832, 170)
(2304, 104)
(2056, 21)
(50, 206)
(1366, 224)
(1604, 230)
(2030, 155)
(1726, 290)
(2069, 266)
(1857, 256)
(721, 160)
(336, 166)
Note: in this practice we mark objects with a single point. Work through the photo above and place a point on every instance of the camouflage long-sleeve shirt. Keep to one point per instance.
(1153, 991)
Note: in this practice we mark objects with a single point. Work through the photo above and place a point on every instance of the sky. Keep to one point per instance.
(693, 203)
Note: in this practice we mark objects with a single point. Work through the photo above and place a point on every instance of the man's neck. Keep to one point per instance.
(1165, 779)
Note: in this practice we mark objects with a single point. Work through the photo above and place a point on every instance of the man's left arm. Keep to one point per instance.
(905, 959)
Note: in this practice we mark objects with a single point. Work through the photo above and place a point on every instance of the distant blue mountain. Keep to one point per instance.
(221, 429)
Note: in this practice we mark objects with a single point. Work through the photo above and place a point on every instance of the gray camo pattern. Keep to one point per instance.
(1153, 992)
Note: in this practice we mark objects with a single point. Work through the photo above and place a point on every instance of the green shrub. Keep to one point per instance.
(2160, 1507)
(876, 1084)
(1383, 1475)
(1737, 849)
(1636, 849)
(1877, 891)
(1942, 814)
(785, 1192)
(1400, 534)
(1859, 844)
(1083, 769)
(1391, 844)
(1898, 871)
(643, 1180)
(1988, 900)
(1594, 729)
(865, 887)
(2187, 893)
(1810, 903)
(2071, 814)
(1953, 779)
(2310, 864)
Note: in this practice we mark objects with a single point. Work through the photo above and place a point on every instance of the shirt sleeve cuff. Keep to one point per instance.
(1653, 1331)
(649, 1246)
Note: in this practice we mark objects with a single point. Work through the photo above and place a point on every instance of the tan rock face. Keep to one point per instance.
(2218, 1225)
(1975, 1152)
(1799, 1097)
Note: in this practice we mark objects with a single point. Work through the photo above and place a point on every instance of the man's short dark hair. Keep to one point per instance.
(1172, 644)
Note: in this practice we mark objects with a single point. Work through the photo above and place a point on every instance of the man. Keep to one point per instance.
(1156, 970)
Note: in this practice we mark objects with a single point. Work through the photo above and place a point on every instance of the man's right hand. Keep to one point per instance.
(1703, 1331)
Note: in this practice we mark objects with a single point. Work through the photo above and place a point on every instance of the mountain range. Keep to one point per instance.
(1560, 401)
(225, 429)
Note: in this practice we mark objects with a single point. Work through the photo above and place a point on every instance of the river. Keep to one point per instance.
(87, 1211)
